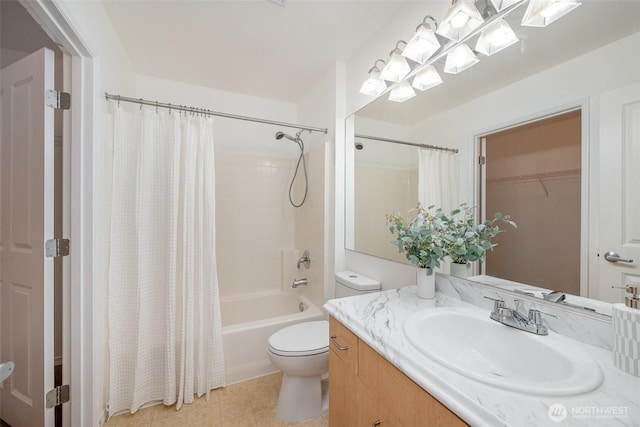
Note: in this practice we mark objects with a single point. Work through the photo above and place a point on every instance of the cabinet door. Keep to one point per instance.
(411, 405)
(344, 343)
(373, 412)
(343, 392)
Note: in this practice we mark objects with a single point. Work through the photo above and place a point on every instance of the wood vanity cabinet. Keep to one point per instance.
(366, 390)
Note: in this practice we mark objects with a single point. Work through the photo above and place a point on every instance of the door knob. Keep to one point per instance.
(614, 257)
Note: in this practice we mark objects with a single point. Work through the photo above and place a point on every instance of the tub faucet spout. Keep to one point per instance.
(299, 282)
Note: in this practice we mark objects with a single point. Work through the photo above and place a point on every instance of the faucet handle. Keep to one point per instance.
(535, 316)
(497, 303)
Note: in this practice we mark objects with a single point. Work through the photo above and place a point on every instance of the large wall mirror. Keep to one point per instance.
(583, 67)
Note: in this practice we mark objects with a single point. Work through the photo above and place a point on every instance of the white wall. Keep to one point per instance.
(114, 73)
(315, 220)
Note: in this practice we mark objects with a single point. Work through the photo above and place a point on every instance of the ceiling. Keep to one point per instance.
(254, 47)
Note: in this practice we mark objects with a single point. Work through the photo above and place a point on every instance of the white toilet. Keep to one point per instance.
(301, 351)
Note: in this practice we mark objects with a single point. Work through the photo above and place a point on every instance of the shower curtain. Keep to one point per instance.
(165, 333)
(437, 179)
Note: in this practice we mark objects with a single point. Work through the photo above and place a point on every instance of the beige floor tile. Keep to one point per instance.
(233, 391)
(247, 404)
(177, 419)
(244, 421)
(277, 379)
(234, 407)
(140, 418)
(201, 402)
(322, 421)
(264, 398)
(163, 411)
(206, 416)
(268, 419)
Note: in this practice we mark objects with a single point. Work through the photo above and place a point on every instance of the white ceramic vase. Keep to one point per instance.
(460, 270)
(426, 281)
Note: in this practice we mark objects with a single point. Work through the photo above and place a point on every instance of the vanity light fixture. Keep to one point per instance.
(462, 24)
(496, 37)
(541, 13)
(459, 59)
(503, 4)
(462, 18)
(402, 92)
(423, 44)
(397, 67)
(374, 85)
(427, 78)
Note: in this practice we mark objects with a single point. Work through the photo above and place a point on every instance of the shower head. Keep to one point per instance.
(280, 135)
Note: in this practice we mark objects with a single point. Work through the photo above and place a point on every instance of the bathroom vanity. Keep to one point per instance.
(366, 390)
(377, 377)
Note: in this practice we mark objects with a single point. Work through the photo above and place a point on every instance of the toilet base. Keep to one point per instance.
(301, 398)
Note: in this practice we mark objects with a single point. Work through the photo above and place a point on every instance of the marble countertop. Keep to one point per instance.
(378, 319)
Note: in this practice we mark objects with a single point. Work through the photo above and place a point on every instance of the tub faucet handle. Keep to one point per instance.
(305, 260)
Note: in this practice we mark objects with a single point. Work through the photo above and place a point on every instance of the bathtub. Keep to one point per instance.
(247, 323)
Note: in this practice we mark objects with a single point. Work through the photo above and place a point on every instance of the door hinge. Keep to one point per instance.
(58, 100)
(57, 247)
(482, 160)
(57, 396)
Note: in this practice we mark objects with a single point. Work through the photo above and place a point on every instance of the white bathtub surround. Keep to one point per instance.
(378, 320)
(248, 321)
(165, 339)
(289, 271)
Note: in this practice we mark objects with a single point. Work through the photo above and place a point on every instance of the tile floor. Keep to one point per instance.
(250, 403)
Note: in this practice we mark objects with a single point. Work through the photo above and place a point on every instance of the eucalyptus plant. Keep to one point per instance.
(465, 240)
(421, 236)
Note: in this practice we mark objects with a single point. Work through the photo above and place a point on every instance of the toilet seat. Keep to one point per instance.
(302, 339)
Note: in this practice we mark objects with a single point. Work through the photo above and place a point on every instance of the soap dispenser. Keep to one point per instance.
(626, 332)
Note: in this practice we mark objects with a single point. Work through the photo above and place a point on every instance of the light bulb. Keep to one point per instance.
(402, 92)
(496, 37)
(427, 78)
(396, 68)
(459, 20)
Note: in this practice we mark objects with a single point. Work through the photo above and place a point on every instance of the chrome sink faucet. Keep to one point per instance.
(512, 317)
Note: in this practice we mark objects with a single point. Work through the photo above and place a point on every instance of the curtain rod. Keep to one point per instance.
(209, 112)
(396, 141)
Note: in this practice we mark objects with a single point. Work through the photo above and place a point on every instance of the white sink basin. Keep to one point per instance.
(466, 340)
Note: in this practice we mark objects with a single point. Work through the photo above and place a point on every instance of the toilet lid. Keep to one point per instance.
(302, 339)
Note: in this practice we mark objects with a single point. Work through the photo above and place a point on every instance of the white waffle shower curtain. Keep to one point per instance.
(437, 179)
(165, 332)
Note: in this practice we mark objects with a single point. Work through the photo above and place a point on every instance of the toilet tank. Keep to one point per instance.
(349, 283)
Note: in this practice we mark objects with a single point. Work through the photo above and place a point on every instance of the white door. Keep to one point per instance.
(619, 214)
(26, 216)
